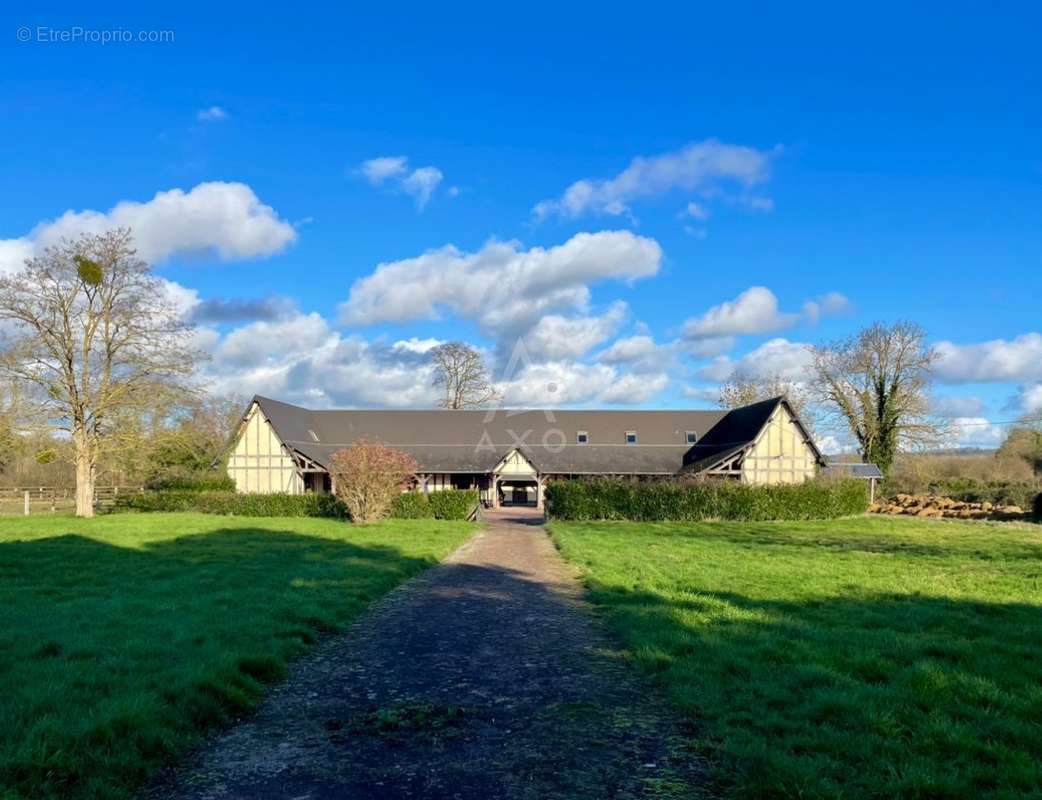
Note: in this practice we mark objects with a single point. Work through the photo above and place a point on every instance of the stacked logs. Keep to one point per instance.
(911, 505)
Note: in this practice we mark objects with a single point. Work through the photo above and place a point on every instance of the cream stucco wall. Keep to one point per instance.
(780, 454)
(515, 464)
(260, 462)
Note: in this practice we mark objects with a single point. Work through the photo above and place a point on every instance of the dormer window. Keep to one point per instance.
(582, 437)
(631, 437)
(692, 437)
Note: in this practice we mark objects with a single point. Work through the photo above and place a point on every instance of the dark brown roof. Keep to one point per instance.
(476, 441)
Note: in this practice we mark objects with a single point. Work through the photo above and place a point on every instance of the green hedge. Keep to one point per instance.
(235, 503)
(203, 482)
(456, 504)
(451, 504)
(662, 501)
(411, 505)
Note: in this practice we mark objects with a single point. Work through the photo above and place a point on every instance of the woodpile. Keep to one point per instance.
(911, 505)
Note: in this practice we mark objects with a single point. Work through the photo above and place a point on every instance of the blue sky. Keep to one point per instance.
(876, 161)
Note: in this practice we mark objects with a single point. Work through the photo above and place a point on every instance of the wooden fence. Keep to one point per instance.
(27, 500)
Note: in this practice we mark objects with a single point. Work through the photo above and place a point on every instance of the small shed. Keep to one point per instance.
(857, 470)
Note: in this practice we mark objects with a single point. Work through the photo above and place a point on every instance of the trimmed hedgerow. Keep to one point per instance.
(202, 482)
(411, 505)
(453, 504)
(449, 504)
(689, 502)
(456, 504)
(235, 503)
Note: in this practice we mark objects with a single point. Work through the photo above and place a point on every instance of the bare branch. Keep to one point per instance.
(461, 374)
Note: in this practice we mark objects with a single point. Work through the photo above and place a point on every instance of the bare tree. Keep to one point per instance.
(10, 410)
(461, 374)
(93, 330)
(742, 389)
(878, 383)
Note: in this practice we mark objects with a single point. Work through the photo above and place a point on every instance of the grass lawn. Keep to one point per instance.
(124, 637)
(868, 657)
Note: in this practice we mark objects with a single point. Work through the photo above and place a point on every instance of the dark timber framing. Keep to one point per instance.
(510, 455)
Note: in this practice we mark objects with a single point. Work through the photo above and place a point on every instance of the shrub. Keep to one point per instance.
(197, 482)
(1036, 507)
(673, 501)
(450, 504)
(411, 505)
(454, 504)
(369, 476)
(234, 503)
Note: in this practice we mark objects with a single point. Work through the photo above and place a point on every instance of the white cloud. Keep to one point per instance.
(777, 357)
(227, 219)
(633, 389)
(415, 345)
(640, 353)
(707, 348)
(699, 166)
(301, 359)
(501, 287)
(13, 253)
(696, 211)
(561, 383)
(378, 170)
(999, 360)
(183, 300)
(754, 311)
(975, 432)
(829, 305)
(630, 349)
(211, 114)
(705, 394)
(555, 337)
(419, 184)
(266, 342)
(1029, 399)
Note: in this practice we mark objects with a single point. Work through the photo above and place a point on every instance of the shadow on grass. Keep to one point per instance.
(884, 695)
(115, 658)
(754, 536)
(484, 681)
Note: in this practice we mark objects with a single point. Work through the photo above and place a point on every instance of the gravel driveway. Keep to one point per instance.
(486, 677)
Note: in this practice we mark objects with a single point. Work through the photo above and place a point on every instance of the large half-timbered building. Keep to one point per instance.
(509, 455)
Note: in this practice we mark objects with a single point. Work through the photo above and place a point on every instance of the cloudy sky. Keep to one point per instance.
(620, 209)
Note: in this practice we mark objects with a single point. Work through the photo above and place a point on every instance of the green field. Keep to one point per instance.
(124, 637)
(868, 657)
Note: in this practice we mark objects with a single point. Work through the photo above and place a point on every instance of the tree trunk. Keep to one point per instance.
(84, 475)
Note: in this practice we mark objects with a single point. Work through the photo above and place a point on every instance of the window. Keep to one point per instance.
(692, 437)
(631, 437)
(582, 437)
